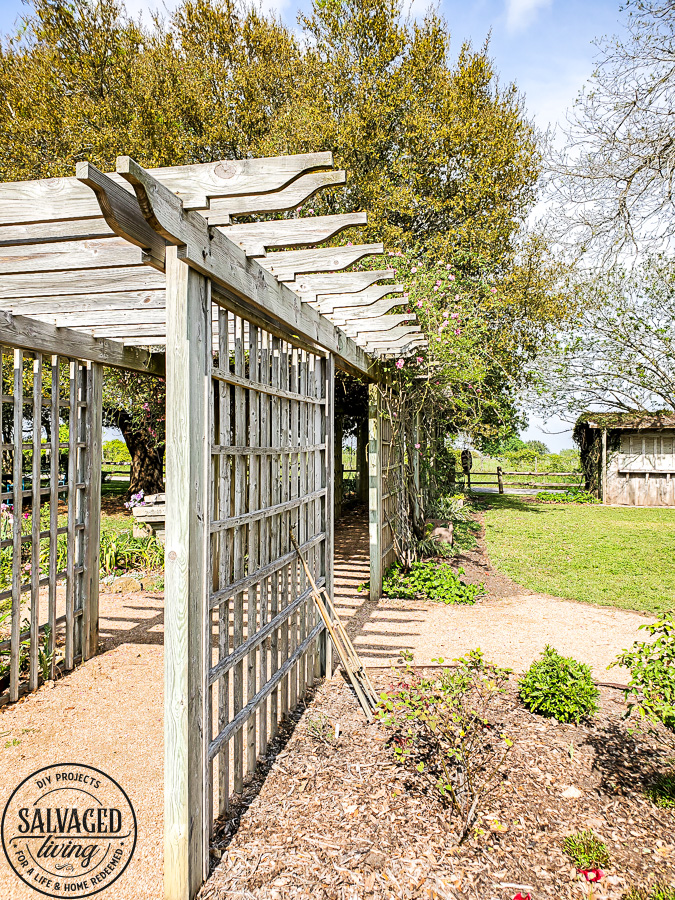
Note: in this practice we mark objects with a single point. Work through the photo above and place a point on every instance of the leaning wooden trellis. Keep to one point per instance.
(97, 267)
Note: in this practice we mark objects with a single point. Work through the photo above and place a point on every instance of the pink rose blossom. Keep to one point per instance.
(446, 314)
(455, 315)
(419, 304)
(417, 446)
(414, 269)
(493, 290)
(419, 360)
(399, 363)
(451, 277)
(457, 331)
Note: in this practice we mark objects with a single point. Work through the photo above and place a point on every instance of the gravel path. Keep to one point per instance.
(512, 625)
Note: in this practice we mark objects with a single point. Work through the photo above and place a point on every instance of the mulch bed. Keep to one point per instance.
(344, 820)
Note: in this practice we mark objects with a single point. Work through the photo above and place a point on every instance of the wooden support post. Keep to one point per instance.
(187, 812)
(328, 518)
(604, 465)
(93, 509)
(374, 492)
(500, 480)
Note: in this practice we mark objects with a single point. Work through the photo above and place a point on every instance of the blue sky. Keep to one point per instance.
(545, 46)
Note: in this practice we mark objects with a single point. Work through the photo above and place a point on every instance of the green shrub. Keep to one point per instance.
(116, 452)
(573, 495)
(651, 689)
(121, 551)
(586, 850)
(658, 891)
(435, 581)
(559, 686)
(445, 731)
(662, 790)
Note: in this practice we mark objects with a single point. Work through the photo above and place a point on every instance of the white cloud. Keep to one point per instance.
(521, 13)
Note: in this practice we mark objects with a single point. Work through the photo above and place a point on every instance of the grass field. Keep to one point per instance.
(597, 554)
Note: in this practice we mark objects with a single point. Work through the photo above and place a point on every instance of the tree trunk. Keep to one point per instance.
(147, 459)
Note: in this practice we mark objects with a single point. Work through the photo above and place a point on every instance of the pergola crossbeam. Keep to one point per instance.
(257, 237)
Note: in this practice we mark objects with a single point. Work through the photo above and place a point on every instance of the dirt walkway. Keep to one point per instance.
(108, 714)
(512, 625)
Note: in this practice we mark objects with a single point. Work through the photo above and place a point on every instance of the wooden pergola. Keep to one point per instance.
(151, 271)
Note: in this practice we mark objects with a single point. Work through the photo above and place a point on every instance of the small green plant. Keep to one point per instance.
(661, 791)
(651, 689)
(586, 850)
(560, 687)
(452, 508)
(434, 581)
(320, 728)
(45, 655)
(658, 891)
(572, 495)
(121, 551)
(444, 730)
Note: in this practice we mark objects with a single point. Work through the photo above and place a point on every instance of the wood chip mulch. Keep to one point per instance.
(342, 820)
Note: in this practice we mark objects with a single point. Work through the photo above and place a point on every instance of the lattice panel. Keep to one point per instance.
(47, 529)
(269, 475)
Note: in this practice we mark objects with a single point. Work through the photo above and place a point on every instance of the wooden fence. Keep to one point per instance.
(499, 478)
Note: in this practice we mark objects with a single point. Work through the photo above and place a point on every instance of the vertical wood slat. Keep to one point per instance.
(93, 507)
(72, 473)
(263, 502)
(253, 539)
(81, 454)
(328, 436)
(35, 524)
(239, 486)
(375, 492)
(54, 451)
(17, 512)
(225, 561)
(186, 655)
(286, 573)
(275, 441)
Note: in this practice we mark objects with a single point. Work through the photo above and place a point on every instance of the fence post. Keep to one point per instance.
(500, 480)
(188, 387)
(326, 647)
(375, 492)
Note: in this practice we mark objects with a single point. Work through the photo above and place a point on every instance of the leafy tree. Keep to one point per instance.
(614, 181)
(619, 354)
(440, 153)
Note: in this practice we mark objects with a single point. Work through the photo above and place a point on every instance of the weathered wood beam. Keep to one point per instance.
(30, 334)
(351, 314)
(49, 232)
(375, 326)
(288, 264)
(92, 281)
(122, 213)
(197, 184)
(319, 288)
(362, 300)
(65, 256)
(257, 237)
(297, 193)
(210, 252)
(113, 302)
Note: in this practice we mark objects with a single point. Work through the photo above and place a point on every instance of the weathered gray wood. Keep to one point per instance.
(367, 299)
(239, 505)
(352, 313)
(369, 327)
(66, 256)
(222, 490)
(304, 187)
(257, 237)
(93, 508)
(86, 281)
(199, 182)
(375, 493)
(122, 213)
(53, 505)
(286, 265)
(36, 471)
(213, 254)
(328, 525)
(323, 287)
(48, 232)
(253, 539)
(72, 481)
(21, 331)
(185, 653)
(17, 511)
(45, 200)
(112, 302)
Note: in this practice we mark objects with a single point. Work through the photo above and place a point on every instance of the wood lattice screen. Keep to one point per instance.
(271, 472)
(49, 523)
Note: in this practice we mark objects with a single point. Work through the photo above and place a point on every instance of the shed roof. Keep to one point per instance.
(639, 420)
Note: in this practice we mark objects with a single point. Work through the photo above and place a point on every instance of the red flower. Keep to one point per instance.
(520, 896)
(592, 875)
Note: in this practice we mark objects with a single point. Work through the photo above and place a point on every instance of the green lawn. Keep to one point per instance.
(607, 555)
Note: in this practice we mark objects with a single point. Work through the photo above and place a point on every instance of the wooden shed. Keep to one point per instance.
(629, 458)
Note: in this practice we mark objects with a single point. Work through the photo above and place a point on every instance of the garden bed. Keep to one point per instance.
(341, 819)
